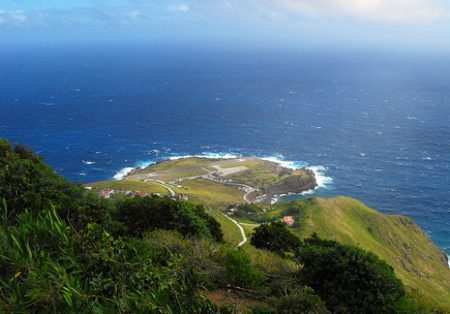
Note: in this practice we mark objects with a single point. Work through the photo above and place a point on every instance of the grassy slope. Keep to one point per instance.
(178, 163)
(261, 173)
(211, 192)
(132, 185)
(248, 164)
(183, 174)
(396, 239)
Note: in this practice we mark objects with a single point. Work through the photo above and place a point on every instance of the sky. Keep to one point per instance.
(413, 24)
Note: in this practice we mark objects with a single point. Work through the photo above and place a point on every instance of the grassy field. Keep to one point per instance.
(131, 185)
(248, 164)
(211, 192)
(231, 232)
(184, 174)
(179, 163)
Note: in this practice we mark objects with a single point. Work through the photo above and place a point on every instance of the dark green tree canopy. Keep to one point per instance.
(26, 182)
(142, 214)
(347, 278)
(274, 237)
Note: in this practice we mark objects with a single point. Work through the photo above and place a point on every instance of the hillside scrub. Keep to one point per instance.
(275, 237)
(142, 214)
(64, 250)
(45, 266)
(349, 279)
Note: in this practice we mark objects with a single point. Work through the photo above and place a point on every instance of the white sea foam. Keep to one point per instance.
(208, 155)
(144, 164)
(319, 171)
(285, 163)
(321, 179)
(122, 173)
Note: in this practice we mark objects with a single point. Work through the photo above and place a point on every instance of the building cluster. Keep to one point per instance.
(182, 197)
(107, 193)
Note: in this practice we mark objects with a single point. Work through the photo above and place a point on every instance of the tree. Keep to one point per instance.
(347, 278)
(274, 237)
(26, 182)
(142, 214)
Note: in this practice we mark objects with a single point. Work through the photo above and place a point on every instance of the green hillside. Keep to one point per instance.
(68, 248)
(396, 239)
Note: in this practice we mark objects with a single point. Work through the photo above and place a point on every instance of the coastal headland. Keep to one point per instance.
(255, 180)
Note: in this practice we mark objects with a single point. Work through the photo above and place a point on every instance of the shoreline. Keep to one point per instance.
(224, 168)
(322, 180)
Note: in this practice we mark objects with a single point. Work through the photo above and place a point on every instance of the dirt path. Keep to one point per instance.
(244, 238)
(238, 224)
(164, 185)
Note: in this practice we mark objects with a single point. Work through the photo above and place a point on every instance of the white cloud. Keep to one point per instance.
(178, 8)
(374, 10)
(13, 18)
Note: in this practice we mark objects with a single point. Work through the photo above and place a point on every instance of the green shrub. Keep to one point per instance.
(26, 182)
(349, 279)
(44, 266)
(274, 237)
(143, 214)
(239, 271)
(300, 300)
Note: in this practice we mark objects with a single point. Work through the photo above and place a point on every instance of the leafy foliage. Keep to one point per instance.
(239, 270)
(349, 279)
(45, 267)
(26, 182)
(63, 250)
(301, 299)
(274, 237)
(142, 214)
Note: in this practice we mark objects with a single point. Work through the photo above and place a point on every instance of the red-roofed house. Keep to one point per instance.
(140, 193)
(104, 195)
(288, 220)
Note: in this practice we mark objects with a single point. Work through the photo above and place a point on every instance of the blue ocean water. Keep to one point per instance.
(378, 123)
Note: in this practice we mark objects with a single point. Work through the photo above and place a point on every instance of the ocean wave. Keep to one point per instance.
(207, 155)
(322, 180)
(279, 159)
(122, 173)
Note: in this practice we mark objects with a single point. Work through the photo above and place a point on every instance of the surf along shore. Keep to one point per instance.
(262, 181)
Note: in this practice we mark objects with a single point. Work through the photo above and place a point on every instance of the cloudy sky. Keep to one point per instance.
(407, 23)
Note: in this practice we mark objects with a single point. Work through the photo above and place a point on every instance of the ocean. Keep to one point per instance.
(374, 124)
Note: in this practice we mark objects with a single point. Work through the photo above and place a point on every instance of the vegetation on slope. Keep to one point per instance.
(396, 239)
(65, 250)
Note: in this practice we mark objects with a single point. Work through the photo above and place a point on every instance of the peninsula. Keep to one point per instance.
(251, 179)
